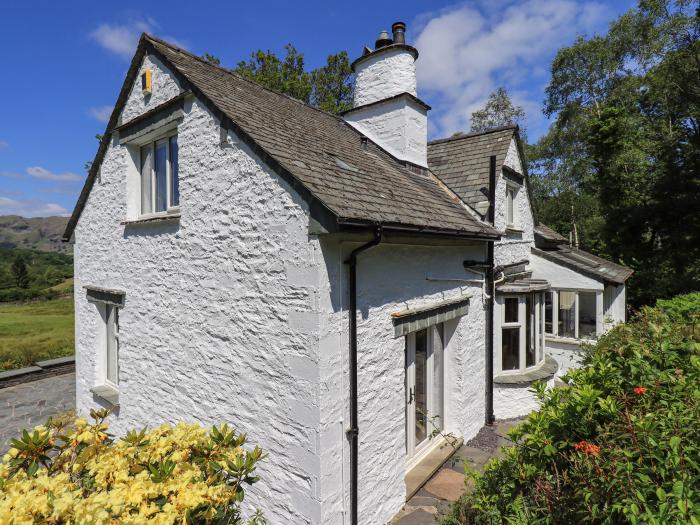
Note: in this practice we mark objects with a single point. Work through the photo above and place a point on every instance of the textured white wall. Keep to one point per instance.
(390, 278)
(515, 400)
(165, 87)
(560, 276)
(384, 75)
(399, 125)
(568, 355)
(221, 321)
(513, 247)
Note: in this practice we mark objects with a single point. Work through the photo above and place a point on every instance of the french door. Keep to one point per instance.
(424, 388)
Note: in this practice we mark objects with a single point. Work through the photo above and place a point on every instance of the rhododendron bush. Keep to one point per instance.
(619, 444)
(74, 472)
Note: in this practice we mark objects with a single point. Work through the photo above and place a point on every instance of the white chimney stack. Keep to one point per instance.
(386, 108)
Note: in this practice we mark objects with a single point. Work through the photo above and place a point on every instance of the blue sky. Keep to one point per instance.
(63, 64)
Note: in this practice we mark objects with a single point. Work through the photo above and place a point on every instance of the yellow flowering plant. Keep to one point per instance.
(75, 472)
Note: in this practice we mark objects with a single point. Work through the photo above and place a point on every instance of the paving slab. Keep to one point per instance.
(27, 405)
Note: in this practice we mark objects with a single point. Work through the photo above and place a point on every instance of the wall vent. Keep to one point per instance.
(147, 82)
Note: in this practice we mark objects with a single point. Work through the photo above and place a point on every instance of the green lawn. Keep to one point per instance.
(31, 332)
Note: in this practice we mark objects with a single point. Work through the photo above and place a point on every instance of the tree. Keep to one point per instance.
(331, 85)
(20, 273)
(284, 76)
(498, 111)
(211, 59)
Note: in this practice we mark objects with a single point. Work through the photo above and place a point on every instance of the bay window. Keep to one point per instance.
(521, 332)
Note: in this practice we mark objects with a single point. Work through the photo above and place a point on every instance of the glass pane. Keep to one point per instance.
(421, 386)
(548, 313)
(174, 181)
(510, 348)
(438, 375)
(587, 315)
(112, 371)
(510, 306)
(567, 314)
(509, 206)
(161, 170)
(530, 331)
(146, 174)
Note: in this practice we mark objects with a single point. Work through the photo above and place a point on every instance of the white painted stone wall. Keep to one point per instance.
(561, 277)
(513, 247)
(220, 322)
(383, 75)
(569, 355)
(400, 126)
(511, 401)
(390, 278)
(165, 87)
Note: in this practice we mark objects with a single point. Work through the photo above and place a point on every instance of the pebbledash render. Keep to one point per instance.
(227, 237)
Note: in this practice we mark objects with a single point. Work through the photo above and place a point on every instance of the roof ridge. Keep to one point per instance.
(475, 134)
(237, 75)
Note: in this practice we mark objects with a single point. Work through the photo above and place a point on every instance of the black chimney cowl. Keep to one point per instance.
(399, 30)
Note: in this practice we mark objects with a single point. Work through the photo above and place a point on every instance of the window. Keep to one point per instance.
(572, 314)
(510, 213)
(111, 344)
(160, 190)
(521, 332)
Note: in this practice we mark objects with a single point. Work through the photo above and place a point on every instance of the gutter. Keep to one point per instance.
(353, 431)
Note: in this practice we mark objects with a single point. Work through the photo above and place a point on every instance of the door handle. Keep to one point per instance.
(410, 396)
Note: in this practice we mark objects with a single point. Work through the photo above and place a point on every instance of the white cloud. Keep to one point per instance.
(4, 145)
(30, 208)
(468, 50)
(101, 113)
(44, 174)
(122, 38)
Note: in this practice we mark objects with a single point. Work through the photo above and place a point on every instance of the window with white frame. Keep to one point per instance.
(111, 345)
(160, 190)
(571, 313)
(108, 303)
(522, 344)
(510, 205)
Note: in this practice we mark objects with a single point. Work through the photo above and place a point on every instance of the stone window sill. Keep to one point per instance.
(106, 392)
(513, 229)
(152, 218)
(544, 371)
(568, 340)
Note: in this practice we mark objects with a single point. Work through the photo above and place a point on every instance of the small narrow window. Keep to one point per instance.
(146, 179)
(510, 334)
(510, 214)
(174, 181)
(530, 331)
(112, 344)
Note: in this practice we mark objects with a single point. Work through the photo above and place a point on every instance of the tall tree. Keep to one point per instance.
(20, 273)
(332, 84)
(498, 111)
(285, 76)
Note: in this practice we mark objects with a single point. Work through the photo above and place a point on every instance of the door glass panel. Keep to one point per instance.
(161, 170)
(567, 314)
(511, 348)
(146, 176)
(421, 386)
(438, 375)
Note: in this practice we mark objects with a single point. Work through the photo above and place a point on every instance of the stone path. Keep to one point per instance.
(447, 484)
(30, 404)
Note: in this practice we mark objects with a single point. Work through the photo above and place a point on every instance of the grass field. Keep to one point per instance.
(31, 332)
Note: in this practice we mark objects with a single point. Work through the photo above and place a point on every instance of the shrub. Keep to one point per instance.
(79, 474)
(619, 444)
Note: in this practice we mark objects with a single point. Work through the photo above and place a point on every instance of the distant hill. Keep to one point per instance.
(36, 233)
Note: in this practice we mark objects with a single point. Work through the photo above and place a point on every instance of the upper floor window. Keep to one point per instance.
(511, 191)
(160, 190)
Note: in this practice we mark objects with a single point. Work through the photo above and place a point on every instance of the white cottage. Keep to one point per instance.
(323, 283)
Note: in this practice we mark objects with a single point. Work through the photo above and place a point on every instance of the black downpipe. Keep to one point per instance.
(490, 418)
(353, 431)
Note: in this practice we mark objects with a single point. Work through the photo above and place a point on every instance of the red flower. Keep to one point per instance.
(587, 448)
(639, 390)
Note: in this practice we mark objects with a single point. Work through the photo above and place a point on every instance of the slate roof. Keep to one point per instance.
(318, 153)
(552, 246)
(462, 162)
